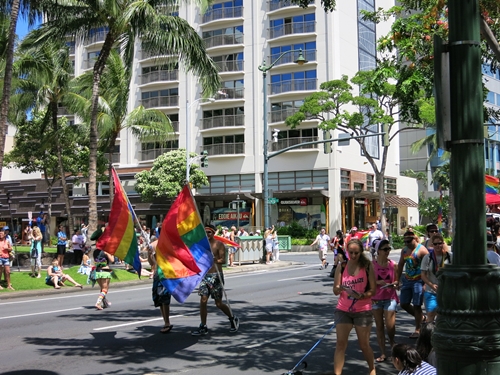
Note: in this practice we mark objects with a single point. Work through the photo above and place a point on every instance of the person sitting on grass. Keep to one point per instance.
(56, 277)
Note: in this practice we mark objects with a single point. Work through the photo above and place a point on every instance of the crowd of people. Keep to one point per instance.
(367, 282)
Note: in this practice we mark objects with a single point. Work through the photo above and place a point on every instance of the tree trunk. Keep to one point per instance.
(64, 185)
(98, 69)
(9, 58)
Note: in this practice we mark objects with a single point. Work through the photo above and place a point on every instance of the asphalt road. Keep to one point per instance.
(283, 311)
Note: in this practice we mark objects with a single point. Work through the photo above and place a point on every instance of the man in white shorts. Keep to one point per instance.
(322, 239)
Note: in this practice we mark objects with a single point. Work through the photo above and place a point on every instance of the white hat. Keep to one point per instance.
(257, 231)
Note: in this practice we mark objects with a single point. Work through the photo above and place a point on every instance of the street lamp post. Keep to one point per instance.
(264, 69)
(9, 202)
(188, 107)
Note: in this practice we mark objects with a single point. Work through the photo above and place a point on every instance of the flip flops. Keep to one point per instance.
(166, 329)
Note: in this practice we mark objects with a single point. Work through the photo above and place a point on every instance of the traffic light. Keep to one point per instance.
(385, 137)
(204, 159)
(327, 146)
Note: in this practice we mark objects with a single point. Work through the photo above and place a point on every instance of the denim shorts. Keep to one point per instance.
(385, 304)
(4, 262)
(430, 301)
(360, 319)
(412, 292)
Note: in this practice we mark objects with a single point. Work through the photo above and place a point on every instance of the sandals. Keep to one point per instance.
(382, 358)
(79, 286)
(166, 329)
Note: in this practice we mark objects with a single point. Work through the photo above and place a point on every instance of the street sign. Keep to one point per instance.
(272, 200)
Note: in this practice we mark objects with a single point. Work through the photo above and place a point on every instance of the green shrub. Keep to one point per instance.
(301, 241)
(397, 241)
(295, 230)
(53, 240)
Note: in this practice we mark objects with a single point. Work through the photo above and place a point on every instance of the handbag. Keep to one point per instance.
(11, 256)
(34, 250)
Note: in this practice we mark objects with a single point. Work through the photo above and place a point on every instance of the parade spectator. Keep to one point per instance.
(424, 344)
(84, 230)
(5, 249)
(36, 239)
(212, 286)
(158, 230)
(323, 240)
(356, 285)
(242, 232)
(86, 266)
(152, 253)
(276, 248)
(41, 222)
(436, 259)
(373, 235)
(9, 239)
(385, 299)
(491, 250)
(62, 239)
(78, 246)
(407, 361)
(411, 284)
(56, 277)
(269, 236)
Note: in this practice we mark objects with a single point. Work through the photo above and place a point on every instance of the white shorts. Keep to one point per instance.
(322, 254)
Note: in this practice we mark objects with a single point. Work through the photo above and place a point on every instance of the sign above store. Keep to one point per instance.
(294, 202)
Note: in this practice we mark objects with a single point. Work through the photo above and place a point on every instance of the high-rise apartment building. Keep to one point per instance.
(313, 188)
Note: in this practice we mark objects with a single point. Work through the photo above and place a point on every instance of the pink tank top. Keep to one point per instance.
(386, 274)
(357, 283)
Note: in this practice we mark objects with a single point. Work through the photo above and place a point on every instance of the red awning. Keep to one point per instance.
(492, 199)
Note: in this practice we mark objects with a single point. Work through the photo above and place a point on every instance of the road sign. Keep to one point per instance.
(272, 200)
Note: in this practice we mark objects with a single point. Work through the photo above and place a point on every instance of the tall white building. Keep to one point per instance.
(313, 188)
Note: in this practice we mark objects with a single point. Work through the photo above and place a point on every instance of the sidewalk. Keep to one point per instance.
(245, 267)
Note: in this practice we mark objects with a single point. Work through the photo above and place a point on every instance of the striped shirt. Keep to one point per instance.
(423, 369)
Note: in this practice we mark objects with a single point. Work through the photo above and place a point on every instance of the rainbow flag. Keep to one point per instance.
(363, 236)
(119, 236)
(183, 252)
(226, 241)
(491, 184)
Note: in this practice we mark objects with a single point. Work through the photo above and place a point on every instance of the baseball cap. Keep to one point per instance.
(6, 228)
(257, 231)
(431, 226)
(377, 244)
(354, 228)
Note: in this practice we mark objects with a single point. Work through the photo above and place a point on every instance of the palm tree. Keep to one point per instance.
(13, 7)
(44, 73)
(113, 115)
(125, 22)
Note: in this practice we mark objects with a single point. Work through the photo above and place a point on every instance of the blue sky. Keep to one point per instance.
(21, 27)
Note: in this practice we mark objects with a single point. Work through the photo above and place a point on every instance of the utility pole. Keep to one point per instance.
(467, 334)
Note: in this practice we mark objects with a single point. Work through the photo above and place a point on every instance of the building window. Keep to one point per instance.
(227, 9)
(217, 118)
(390, 186)
(236, 183)
(151, 150)
(366, 34)
(298, 180)
(308, 50)
(287, 138)
(221, 37)
(234, 89)
(224, 144)
(160, 98)
(345, 180)
(281, 110)
(370, 186)
(296, 81)
(229, 63)
(304, 23)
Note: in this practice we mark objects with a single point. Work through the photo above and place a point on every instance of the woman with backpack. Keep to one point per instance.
(385, 299)
(437, 258)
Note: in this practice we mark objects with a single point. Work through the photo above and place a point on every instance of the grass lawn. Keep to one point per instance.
(23, 281)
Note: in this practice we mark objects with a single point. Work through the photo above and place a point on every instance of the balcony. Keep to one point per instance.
(308, 84)
(309, 55)
(229, 66)
(217, 14)
(161, 101)
(287, 142)
(281, 116)
(175, 126)
(96, 38)
(148, 54)
(223, 121)
(223, 40)
(115, 159)
(89, 63)
(152, 154)
(160, 75)
(231, 93)
(225, 149)
(292, 28)
(275, 5)
(63, 111)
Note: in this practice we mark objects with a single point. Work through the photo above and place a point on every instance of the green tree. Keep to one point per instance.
(113, 116)
(337, 106)
(429, 207)
(124, 22)
(167, 175)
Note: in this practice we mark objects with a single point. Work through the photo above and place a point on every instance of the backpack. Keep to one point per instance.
(433, 259)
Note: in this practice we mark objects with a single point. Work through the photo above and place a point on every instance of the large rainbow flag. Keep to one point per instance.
(183, 252)
(491, 184)
(119, 236)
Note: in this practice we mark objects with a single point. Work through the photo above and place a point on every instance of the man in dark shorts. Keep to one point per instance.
(61, 245)
(212, 286)
(161, 298)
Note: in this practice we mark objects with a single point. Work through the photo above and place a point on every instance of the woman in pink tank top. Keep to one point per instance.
(356, 285)
(386, 298)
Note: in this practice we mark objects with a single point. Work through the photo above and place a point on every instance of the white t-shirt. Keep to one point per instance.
(323, 240)
(78, 238)
(430, 267)
(375, 235)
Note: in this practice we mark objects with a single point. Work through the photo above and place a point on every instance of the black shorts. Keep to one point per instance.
(61, 249)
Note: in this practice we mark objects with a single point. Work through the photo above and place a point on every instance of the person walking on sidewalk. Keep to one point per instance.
(212, 286)
(323, 240)
(356, 285)
(412, 294)
(386, 299)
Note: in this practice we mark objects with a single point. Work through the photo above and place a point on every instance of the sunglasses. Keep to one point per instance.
(433, 231)
(386, 249)
(409, 240)
(437, 243)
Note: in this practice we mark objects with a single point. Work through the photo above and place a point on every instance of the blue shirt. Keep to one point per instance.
(40, 222)
(60, 236)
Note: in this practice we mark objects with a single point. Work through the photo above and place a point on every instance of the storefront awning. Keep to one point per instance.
(396, 201)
